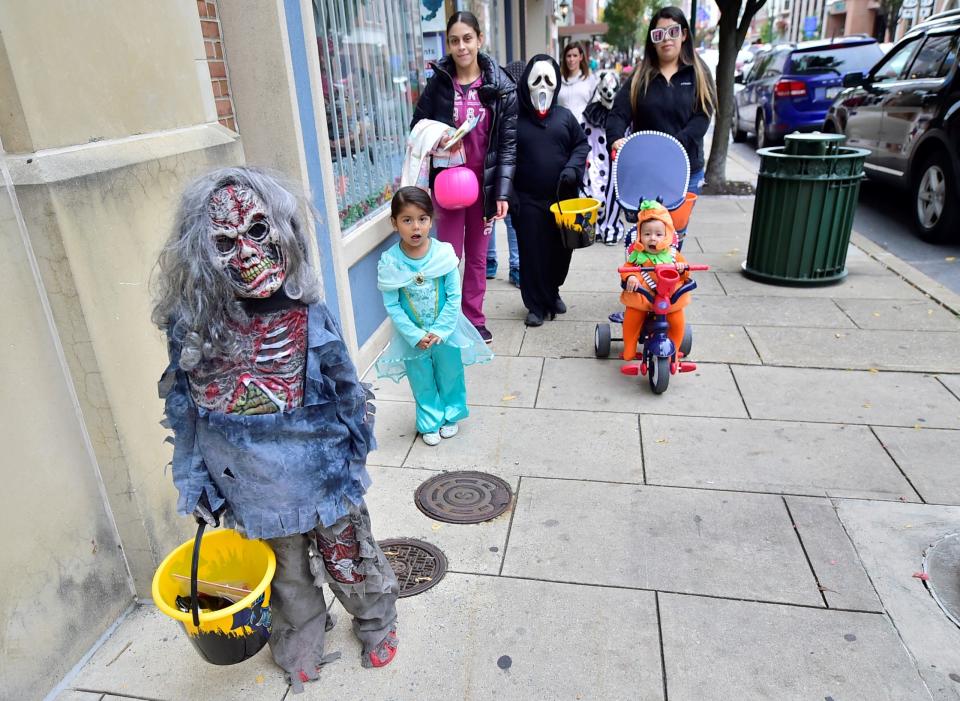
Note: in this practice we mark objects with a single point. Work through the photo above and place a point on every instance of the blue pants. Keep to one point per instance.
(438, 388)
(511, 244)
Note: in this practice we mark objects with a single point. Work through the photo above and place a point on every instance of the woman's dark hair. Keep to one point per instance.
(584, 63)
(411, 195)
(468, 18)
(650, 67)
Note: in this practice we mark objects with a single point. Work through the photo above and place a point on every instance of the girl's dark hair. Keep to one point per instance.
(411, 195)
(584, 63)
(705, 90)
(467, 18)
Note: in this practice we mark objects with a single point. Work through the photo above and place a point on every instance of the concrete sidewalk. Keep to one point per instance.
(751, 534)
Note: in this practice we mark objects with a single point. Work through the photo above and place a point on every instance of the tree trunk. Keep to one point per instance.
(716, 174)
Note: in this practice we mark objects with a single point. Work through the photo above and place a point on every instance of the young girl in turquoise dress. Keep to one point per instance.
(432, 339)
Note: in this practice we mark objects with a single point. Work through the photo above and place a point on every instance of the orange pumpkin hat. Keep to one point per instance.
(651, 209)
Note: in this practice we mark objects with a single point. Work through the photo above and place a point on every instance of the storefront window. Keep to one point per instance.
(371, 68)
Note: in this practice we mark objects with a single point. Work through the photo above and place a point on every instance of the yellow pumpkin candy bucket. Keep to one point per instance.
(577, 219)
(218, 589)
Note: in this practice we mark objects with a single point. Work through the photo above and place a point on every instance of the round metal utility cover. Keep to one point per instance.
(942, 563)
(418, 565)
(463, 497)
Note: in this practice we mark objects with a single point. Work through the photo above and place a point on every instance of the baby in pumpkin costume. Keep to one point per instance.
(656, 244)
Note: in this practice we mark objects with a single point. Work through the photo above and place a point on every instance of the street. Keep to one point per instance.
(883, 216)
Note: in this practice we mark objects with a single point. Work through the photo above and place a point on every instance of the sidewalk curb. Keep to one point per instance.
(930, 287)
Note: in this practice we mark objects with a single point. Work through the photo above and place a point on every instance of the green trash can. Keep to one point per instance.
(803, 212)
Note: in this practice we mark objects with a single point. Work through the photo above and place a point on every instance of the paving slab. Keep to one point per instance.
(722, 242)
(598, 385)
(149, 656)
(834, 560)
(759, 311)
(853, 397)
(474, 638)
(754, 652)
(890, 540)
(506, 381)
(924, 456)
(919, 351)
(780, 457)
(395, 429)
(729, 261)
(476, 548)
(855, 286)
(952, 383)
(574, 339)
(581, 306)
(507, 335)
(694, 541)
(74, 695)
(540, 443)
(904, 315)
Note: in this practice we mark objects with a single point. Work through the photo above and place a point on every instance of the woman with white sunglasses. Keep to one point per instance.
(670, 91)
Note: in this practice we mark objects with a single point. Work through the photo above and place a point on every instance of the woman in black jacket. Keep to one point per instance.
(670, 91)
(468, 84)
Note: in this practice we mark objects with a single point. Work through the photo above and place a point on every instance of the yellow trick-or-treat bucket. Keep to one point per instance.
(577, 219)
(218, 588)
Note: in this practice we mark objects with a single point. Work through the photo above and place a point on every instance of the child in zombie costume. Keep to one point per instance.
(432, 339)
(551, 155)
(271, 424)
(655, 236)
(598, 182)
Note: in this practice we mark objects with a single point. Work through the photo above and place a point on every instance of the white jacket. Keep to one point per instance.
(576, 92)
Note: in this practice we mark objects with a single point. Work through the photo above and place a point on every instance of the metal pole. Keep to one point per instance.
(693, 22)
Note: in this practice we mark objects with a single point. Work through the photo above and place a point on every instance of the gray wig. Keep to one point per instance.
(194, 300)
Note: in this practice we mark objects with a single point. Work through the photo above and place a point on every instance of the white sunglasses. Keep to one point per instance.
(673, 31)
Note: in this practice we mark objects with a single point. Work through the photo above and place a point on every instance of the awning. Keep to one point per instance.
(582, 30)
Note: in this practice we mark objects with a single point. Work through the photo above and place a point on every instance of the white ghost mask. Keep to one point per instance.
(542, 83)
(607, 87)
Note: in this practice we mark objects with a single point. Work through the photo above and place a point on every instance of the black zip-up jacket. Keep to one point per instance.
(499, 93)
(548, 145)
(672, 108)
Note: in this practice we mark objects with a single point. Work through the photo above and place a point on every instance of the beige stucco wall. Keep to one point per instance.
(107, 112)
(102, 70)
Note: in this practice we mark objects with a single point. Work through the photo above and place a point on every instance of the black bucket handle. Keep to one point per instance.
(194, 567)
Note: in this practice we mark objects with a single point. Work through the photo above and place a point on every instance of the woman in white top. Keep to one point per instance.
(577, 83)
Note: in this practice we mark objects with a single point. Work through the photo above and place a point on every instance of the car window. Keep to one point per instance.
(776, 64)
(834, 59)
(895, 64)
(934, 58)
(759, 65)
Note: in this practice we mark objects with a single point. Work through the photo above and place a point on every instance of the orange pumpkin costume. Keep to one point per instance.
(637, 306)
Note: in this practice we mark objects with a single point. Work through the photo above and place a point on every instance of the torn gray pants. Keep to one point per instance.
(345, 556)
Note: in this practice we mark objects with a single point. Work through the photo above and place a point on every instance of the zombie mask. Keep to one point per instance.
(607, 88)
(542, 83)
(247, 245)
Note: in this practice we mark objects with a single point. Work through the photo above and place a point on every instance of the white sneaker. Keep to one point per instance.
(431, 439)
(449, 431)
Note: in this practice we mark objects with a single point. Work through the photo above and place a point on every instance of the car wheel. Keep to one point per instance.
(761, 131)
(739, 135)
(934, 200)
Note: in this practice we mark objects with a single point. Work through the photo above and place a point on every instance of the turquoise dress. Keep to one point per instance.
(423, 296)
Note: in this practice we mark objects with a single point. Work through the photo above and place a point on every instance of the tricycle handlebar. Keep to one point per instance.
(653, 268)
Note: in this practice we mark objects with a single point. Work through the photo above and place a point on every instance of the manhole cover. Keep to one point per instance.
(418, 565)
(942, 563)
(463, 497)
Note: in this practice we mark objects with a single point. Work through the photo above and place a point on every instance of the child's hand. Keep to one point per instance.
(425, 342)
(633, 283)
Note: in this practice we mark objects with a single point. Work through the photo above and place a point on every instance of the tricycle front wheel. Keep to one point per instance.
(658, 372)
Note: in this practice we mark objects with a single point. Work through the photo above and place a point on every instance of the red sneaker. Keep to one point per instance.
(384, 652)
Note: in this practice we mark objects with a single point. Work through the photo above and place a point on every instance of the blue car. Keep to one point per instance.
(791, 86)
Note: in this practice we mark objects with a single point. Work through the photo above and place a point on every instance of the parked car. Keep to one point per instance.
(791, 86)
(905, 111)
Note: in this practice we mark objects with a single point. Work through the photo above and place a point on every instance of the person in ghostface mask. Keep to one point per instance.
(271, 424)
(551, 155)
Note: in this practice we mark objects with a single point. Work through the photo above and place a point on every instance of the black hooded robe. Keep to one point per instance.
(545, 148)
